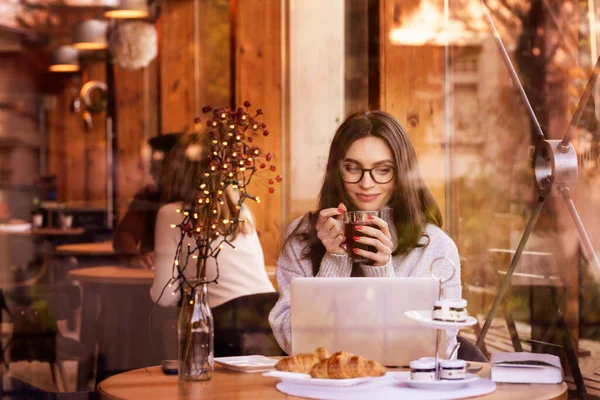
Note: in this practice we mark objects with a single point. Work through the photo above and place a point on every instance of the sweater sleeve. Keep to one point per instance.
(290, 265)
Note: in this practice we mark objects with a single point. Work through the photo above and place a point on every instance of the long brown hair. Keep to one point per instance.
(412, 202)
(180, 179)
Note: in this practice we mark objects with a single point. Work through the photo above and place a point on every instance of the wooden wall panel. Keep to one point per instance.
(95, 147)
(135, 103)
(412, 79)
(258, 79)
(176, 52)
(195, 58)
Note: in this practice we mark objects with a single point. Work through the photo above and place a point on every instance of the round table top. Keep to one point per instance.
(87, 249)
(112, 275)
(151, 383)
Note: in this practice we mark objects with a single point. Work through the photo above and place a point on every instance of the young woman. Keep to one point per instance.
(241, 271)
(372, 165)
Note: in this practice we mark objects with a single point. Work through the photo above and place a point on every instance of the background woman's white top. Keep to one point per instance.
(241, 271)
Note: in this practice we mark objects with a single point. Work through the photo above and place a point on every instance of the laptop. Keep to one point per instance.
(364, 316)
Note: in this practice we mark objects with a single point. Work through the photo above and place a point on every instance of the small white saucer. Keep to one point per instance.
(423, 317)
(404, 377)
(247, 363)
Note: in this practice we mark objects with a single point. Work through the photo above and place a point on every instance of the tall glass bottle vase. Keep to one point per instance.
(196, 333)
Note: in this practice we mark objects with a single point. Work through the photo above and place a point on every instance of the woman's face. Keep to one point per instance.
(369, 153)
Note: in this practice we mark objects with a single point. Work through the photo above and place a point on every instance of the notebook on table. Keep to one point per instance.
(364, 316)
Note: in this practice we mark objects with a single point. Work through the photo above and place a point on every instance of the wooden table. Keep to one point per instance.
(151, 383)
(113, 275)
(46, 232)
(86, 249)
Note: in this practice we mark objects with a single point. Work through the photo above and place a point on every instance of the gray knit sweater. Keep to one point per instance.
(291, 264)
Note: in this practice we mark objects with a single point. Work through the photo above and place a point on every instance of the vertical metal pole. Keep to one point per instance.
(448, 122)
(511, 270)
(111, 146)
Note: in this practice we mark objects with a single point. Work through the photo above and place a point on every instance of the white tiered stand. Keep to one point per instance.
(425, 317)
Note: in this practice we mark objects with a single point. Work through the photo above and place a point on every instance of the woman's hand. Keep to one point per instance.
(380, 238)
(330, 229)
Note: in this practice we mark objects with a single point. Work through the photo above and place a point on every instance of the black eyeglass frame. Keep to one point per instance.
(370, 170)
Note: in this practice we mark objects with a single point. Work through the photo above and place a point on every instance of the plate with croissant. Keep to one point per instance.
(321, 368)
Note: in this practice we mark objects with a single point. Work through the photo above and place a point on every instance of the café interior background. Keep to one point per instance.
(307, 64)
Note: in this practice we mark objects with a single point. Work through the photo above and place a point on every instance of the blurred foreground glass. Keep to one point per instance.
(352, 219)
(196, 333)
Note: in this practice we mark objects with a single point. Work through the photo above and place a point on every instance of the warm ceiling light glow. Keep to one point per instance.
(129, 9)
(90, 35)
(64, 59)
(63, 68)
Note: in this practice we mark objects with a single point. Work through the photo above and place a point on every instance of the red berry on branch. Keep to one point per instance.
(271, 190)
(263, 165)
(265, 132)
(206, 109)
(278, 178)
(259, 111)
(272, 168)
(209, 123)
(186, 227)
(197, 120)
(271, 181)
(247, 103)
(263, 125)
(269, 156)
(250, 140)
(189, 233)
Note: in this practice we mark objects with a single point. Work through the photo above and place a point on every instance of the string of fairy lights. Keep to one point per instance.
(233, 161)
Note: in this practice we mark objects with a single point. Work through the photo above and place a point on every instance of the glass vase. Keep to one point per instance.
(196, 333)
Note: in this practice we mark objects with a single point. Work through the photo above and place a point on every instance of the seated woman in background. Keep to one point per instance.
(242, 270)
(244, 285)
(372, 165)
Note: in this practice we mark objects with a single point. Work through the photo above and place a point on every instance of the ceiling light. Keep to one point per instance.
(64, 59)
(90, 35)
(129, 9)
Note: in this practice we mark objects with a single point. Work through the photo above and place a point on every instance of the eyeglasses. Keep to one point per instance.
(352, 173)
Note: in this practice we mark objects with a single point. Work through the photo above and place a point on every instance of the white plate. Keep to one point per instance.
(247, 363)
(404, 377)
(306, 380)
(423, 317)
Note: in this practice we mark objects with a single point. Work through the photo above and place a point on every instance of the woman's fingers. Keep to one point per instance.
(376, 233)
(326, 214)
(380, 258)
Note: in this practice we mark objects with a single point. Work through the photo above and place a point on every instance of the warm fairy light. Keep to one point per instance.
(191, 301)
(178, 211)
(233, 160)
(173, 226)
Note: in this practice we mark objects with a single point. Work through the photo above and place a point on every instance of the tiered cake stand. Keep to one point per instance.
(425, 317)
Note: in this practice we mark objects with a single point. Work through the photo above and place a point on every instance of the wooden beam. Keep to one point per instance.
(258, 79)
(134, 125)
(176, 53)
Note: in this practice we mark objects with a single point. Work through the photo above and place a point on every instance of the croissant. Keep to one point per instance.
(302, 362)
(344, 365)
